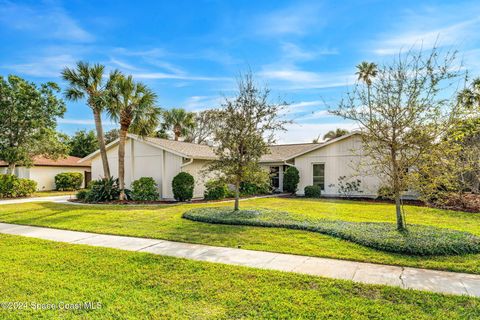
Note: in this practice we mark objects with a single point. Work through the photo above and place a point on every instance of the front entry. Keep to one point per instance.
(275, 177)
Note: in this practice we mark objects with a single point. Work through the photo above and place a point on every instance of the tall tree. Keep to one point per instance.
(204, 125)
(87, 80)
(28, 118)
(245, 126)
(82, 143)
(401, 115)
(366, 72)
(333, 134)
(179, 121)
(111, 135)
(132, 104)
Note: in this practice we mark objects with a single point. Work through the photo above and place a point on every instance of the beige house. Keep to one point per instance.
(44, 170)
(318, 163)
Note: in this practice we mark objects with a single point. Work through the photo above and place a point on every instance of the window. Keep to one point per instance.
(319, 175)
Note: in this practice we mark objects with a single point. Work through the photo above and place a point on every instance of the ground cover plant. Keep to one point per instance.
(417, 240)
(132, 285)
(165, 222)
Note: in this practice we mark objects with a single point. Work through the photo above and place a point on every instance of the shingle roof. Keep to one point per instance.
(66, 162)
(190, 150)
(277, 153)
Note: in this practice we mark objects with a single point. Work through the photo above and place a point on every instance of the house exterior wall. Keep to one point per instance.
(147, 161)
(197, 170)
(342, 158)
(45, 176)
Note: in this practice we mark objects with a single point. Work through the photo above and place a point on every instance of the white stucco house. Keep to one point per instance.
(44, 170)
(161, 159)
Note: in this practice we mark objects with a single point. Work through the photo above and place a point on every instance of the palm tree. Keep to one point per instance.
(470, 97)
(132, 104)
(366, 72)
(86, 80)
(179, 120)
(332, 134)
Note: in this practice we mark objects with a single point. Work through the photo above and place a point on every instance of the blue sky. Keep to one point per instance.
(190, 52)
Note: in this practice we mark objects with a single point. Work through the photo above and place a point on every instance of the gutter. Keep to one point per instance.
(187, 163)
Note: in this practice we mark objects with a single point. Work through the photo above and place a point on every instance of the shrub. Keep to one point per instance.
(67, 181)
(82, 195)
(250, 189)
(385, 193)
(215, 189)
(12, 187)
(182, 185)
(25, 187)
(347, 188)
(312, 191)
(103, 190)
(417, 240)
(144, 189)
(291, 178)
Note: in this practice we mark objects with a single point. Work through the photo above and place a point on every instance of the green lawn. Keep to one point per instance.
(131, 285)
(165, 222)
(53, 193)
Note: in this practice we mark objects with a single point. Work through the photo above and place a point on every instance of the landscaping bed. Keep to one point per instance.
(417, 240)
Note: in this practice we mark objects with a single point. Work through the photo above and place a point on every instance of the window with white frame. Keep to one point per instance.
(319, 175)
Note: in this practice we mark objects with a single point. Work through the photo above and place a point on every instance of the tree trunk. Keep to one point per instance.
(121, 161)
(396, 192)
(237, 195)
(177, 131)
(11, 168)
(101, 142)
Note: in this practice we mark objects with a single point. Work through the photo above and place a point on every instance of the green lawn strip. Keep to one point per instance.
(53, 193)
(132, 285)
(417, 240)
(165, 222)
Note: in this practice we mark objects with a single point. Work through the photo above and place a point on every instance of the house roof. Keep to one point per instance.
(278, 153)
(65, 162)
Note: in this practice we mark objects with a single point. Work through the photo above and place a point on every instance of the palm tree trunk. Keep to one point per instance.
(237, 195)
(11, 168)
(121, 161)
(101, 142)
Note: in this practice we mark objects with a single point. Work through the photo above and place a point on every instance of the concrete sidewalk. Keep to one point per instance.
(404, 277)
(37, 199)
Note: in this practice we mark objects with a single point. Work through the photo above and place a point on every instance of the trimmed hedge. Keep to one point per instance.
(145, 189)
(291, 178)
(312, 191)
(13, 187)
(68, 181)
(418, 240)
(182, 185)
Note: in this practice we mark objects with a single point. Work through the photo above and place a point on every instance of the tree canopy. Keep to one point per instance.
(83, 143)
(28, 119)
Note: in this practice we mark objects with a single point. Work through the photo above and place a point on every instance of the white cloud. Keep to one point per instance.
(443, 25)
(44, 67)
(294, 79)
(199, 103)
(164, 75)
(45, 21)
(295, 20)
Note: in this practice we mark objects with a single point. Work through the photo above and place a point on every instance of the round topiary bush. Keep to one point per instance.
(13, 187)
(291, 178)
(144, 189)
(418, 240)
(312, 191)
(182, 185)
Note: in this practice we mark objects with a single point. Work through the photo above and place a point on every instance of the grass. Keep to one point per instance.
(165, 222)
(52, 193)
(417, 240)
(131, 285)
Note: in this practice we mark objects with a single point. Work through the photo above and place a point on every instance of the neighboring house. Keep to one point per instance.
(44, 170)
(318, 163)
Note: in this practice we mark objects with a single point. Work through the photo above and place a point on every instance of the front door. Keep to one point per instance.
(275, 177)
